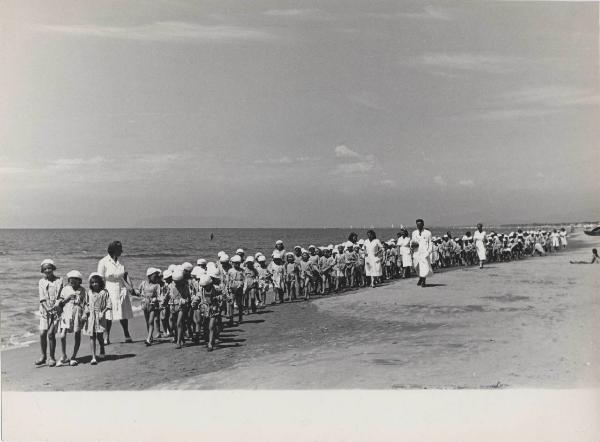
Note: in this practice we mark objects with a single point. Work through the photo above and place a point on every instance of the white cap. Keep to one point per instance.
(204, 280)
(213, 272)
(187, 266)
(48, 262)
(250, 259)
(261, 258)
(221, 253)
(257, 254)
(361, 241)
(197, 271)
(201, 261)
(239, 251)
(152, 270)
(278, 242)
(167, 274)
(178, 274)
(311, 247)
(330, 247)
(74, 274)
(172, 268)
(224, 258)
(236, 258)
(95, 274)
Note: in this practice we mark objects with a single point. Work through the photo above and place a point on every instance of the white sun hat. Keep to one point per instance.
(201, 261)
(152, 270)
(75, 274)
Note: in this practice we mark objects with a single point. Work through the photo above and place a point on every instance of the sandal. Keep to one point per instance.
(73, 363)
(148, 343)
(52, 363)
(62, 362)
(93, 362)
(40, 361)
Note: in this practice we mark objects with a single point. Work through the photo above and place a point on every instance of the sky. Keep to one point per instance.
(151, 113)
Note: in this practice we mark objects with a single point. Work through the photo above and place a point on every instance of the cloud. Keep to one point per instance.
(357, 168)
(388, 183)
(467, 183)
(553, 96)
(468, 62)
(429, 12)
(342, 151)
(290, 12)
(166, 31)
(439, 181)
(74, 163)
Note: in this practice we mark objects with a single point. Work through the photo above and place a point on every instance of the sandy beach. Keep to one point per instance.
(526, 324)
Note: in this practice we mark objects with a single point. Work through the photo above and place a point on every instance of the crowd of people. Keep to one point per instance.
(196, 302)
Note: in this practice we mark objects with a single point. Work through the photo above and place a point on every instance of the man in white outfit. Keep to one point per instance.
(421, 238)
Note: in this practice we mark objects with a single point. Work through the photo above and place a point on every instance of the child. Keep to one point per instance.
(291, 276)
(360, 265)
(325, 267)
(307, 270)
(350, 258)
(97, 304)
(210, 306)
(196, 308)
(163, 299)
(235, 285)
(49, 288)
(180, 293)
(150, 291)
(72, 300)
(264, 278)
(339, 268)
(250, 285)
(276, 270)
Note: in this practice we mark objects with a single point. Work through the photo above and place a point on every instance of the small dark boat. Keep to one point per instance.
(594, 232)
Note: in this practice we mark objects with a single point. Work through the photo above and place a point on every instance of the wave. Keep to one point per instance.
(158, 255)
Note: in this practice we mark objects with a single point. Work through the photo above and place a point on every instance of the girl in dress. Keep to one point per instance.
(150, 291)
(72, 300)
(307, 269)
(235, 285)
(276, 270)
(97, 304)
(49, 288)
(250, 285)
(291, 277)
(339, 268)
(350, 258)
(180, 293)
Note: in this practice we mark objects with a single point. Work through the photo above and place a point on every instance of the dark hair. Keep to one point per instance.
(114, 246)
(371, 231)
(353, 237)
(595, 251)
(98, 278)
(420, 220)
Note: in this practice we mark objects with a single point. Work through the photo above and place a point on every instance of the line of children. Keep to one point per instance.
(189, 302)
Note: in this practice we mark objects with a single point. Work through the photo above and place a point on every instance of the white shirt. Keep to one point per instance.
(423, 238)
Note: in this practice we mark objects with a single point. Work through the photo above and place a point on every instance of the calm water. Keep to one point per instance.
(22, 251)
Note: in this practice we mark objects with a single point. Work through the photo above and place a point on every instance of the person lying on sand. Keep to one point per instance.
(595, 259)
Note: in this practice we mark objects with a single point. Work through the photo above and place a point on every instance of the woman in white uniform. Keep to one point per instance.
(403, 244)
(480, 239)
(374, 251)
(117, 285)
(421, 240)
(563, 238)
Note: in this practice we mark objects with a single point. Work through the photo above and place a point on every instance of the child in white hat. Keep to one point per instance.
(150, 291)
(235, 286)
(49, 288)
(165, 313)
(264, 280)
(250, 285)
(292, 276)
(72, 300)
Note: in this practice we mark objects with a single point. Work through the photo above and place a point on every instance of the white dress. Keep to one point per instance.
(555, 239)
(422, 255)
(480, 238)
(563, 238)
(113, 272)
(404, 246)
(373, 265)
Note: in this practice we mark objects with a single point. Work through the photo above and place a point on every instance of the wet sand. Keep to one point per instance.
(525, 324)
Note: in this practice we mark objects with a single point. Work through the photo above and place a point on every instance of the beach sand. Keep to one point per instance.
(526, 324)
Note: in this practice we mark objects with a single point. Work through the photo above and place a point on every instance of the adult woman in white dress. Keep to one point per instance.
(563, 237)
(118, 286)
(480, 239)
(403, 244)
(374, 251)
(421, 242)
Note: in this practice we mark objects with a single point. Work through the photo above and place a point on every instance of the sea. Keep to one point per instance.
(22, 251)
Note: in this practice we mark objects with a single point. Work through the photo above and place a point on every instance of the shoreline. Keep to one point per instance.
(295, 345)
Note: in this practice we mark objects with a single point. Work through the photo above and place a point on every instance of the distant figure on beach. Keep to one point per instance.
(422, 246)
(374, 251)
(212, 236)
(116, 283)
(595, 259)
(480, 239)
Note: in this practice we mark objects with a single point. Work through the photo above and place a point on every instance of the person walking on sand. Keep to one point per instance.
(421, 241)
(117, 285)
(374, 251)
(480, 239)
